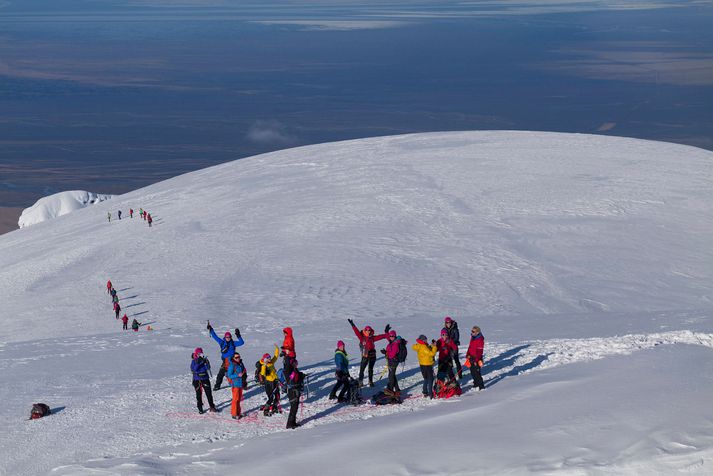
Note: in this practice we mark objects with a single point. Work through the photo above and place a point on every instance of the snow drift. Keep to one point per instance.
(59, 204)
(586, 260)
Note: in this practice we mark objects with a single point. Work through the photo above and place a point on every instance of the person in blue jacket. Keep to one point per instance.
(341, 361)
(237, 376)
(200, 367)
(227, 350)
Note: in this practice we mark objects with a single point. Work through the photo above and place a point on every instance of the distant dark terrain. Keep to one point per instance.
(106, 98)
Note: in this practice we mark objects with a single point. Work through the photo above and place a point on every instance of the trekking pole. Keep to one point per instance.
(383, 372)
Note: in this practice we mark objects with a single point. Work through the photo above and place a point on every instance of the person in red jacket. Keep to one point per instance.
(287, 350)
(150, 220)
(117, 309)
(125, 321)
(131, 213)
(446, 350)
(474, 356)
(368, 349)
(109, 287)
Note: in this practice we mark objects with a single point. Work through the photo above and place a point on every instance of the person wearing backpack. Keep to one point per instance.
(200, 367)
(426, 359)
(117, 309)
(131, 213)
(474, 357)
(272, 389)
(236, 375)
(295, 384)
(392, 358)
(135, 325)
(227, 349)
(109, 287)
(125, 322)
(368, 349)
(446, 349)
(454, 335)
(341, 361)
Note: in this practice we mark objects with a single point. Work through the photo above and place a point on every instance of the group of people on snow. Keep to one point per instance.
(146, 216)
(441, 384)
(117, 309)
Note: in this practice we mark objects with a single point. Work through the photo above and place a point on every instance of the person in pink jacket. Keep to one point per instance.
(474, 356)
(392, 361)
(447, 349)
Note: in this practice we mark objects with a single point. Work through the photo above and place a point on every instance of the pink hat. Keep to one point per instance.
(197, 352)
(228, 334)
(448, 319)
(340, 344)
(368, 328)
(444, 332)
(392, 334)
(266, 356)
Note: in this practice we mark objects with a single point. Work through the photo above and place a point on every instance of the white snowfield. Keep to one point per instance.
(586, 260)
(59, 204)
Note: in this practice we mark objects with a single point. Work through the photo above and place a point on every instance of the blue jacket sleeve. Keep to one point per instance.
(217, 339)
(239, 341)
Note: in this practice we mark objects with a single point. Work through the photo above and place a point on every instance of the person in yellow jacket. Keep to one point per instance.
(272, 389)
(426, 359)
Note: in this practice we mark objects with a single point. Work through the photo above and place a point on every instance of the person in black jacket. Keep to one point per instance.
(295, 384)
(451, 327)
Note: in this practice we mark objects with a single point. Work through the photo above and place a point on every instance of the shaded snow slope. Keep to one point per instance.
(585, 259)
(59, 204)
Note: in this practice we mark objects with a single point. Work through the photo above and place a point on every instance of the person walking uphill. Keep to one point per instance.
(474, 357)
(109, 287)
(150, 220)
(295, 383)
(392, 361)
(117, 309)
(227, 349)
(426, 359)
(236, 374)
(454, 335)
(368, 349)
(269, 375)
(200, 367)
(341, 361)
(125, 322)
(135, 325)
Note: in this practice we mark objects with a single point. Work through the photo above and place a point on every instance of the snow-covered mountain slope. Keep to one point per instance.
(586, 260)
(59, 204)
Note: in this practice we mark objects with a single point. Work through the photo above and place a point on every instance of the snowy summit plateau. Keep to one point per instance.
(586, 261)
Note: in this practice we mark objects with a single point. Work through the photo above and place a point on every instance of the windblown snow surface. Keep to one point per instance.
(586, 260)
(59, 204)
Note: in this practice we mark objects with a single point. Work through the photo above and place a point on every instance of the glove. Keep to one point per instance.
(433, 341)
(209, 327)
(387, 328)
(350, 321)
(383, 351)
(237, 333)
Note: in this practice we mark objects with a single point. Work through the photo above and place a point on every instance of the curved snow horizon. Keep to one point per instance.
(586, 261)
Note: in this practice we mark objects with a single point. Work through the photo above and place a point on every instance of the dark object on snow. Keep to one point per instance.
(39, 410)
(386, 398)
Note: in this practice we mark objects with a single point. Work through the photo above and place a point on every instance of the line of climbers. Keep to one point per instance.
(117, 309)
(444, 384)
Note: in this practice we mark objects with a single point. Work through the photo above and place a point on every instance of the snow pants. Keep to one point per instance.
(237, 397)
(343, 382)
(456, 359)
(125, 326)
(200, 386)
(221, 374)
(273, 396)
(477, 377)
(294, 395)
(445, 367)
(368, 360)
(427, 372)
(393, 385)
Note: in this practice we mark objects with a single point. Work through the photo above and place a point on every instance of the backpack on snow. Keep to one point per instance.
(403, 351)
(259, 379)
(39, 410)
(385, 398)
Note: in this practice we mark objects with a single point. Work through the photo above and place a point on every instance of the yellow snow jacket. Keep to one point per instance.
(426, 353)
(268, 368)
